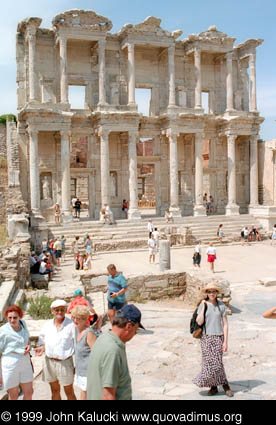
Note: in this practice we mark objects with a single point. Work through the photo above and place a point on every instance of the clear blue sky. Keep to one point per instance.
(242, 19)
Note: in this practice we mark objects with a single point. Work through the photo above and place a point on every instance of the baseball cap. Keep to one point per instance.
(78, 292)
(131, 313)
(58, 303)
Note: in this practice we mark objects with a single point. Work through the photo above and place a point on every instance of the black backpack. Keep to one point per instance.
(194, 326)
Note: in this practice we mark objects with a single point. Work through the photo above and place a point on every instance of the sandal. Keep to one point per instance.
(213, 391)
(228, 390)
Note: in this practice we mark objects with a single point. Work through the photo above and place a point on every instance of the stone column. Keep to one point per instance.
(199, 208)
(174, 201)
(254, 198)
(198, 102)
(231, 208)
(34, 170)
(32, 60)
(131, 74)
(133, 211)
(252, 79)
(171, 51)
(65, 176)
(105, 178)
(229, 83)
(63, 70)
(102, 91)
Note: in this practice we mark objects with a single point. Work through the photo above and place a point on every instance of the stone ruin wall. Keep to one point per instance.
(157, 286)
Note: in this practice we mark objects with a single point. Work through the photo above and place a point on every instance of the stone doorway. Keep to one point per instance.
(146, 187)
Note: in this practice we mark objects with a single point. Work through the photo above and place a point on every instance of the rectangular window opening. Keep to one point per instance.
(143, 100)
(76, 96)
(205, 102)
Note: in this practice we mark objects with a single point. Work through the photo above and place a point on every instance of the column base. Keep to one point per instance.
(199, 211)
(133, 214)
(132, 107)
(232, 209)
(175, 211)
(67, 217)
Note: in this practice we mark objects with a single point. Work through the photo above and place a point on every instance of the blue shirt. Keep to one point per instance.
(12, 341)
(115, 284)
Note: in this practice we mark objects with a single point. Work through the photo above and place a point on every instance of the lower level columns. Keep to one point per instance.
(199, 208)
(231, 208)
(254, 198)
(174, 186)
(133, 210)
(105, 172)
(65, 177)
(34, 171)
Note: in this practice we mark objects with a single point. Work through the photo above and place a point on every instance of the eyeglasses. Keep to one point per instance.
(59, 309)
(211, 292)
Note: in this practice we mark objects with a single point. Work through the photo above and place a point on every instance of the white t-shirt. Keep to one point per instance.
(42, 268)
(155, 235)
(197, 249)
(152, 243)
(211, 250)
(150, 227)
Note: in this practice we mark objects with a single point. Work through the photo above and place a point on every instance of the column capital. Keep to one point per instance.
(103, 132)
(32, 131)
(172, 134)
(231, 138)
(65, 133)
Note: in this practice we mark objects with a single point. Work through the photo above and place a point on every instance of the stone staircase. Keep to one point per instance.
(126, 235)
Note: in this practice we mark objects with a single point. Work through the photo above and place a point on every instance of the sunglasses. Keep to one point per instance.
(211, 292)
(59, 309)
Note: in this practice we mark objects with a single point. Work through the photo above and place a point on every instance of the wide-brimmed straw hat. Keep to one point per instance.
(210, 286)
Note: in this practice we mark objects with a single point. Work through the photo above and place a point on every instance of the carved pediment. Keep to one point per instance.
(150, 25)
(82, 18)
(212, 34)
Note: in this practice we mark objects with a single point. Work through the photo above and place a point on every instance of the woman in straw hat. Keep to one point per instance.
(214, 341)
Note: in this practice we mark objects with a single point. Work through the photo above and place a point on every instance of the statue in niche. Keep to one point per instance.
(113, 184)
(46, 194)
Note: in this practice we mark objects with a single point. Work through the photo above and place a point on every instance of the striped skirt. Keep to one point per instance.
(212, 369)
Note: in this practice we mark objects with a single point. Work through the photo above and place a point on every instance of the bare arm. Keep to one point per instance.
(270, 314)
(91, 339)
(200, 316)
(109, 393)
(225, 333)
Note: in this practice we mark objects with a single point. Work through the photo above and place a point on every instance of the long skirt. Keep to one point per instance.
(212, 369)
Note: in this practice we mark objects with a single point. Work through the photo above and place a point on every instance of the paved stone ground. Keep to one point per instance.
(164, 359)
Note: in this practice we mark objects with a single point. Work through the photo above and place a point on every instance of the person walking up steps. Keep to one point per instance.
(214, 341)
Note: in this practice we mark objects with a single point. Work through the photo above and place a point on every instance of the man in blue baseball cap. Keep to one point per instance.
(108, 376)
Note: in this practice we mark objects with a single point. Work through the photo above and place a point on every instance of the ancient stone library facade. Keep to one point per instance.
(105, 151)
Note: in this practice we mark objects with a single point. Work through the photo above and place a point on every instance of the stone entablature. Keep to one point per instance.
(80, 50)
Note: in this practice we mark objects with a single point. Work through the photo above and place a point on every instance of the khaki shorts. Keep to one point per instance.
(58, 370)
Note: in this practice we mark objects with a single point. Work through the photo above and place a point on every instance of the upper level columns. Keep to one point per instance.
(133, 211)
(131, 73)
(171, 51)
(34, 170)
(198, 101)
(252, 80)
(231, 207)
(65, 176)
(105, 171)
(229, 82)
(174, 198)
(254, 198)
(31, 37)
(63, 70)
(102, 89)
(199, 208)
